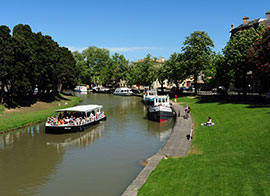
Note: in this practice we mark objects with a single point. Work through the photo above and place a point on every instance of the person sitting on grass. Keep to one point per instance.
(209, 122)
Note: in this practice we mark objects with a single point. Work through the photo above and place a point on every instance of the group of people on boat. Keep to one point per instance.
(74, 119)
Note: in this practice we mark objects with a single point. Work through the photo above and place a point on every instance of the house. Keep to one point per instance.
(253, 23)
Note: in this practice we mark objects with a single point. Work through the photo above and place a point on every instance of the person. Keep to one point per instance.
(187, 111)
(208, 123)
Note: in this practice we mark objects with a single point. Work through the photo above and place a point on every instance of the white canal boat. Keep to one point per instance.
(80, 89)
(75, 119)
(123, 91)
(149, 97)
(161, 110)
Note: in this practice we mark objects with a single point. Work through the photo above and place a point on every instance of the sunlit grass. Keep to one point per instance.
(24, 116)
(230, 158)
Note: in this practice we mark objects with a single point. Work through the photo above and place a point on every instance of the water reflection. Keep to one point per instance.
(160, 130)
(35, 163)
(81, 139)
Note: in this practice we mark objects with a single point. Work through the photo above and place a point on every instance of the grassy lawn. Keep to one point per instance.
(19, 117)
(230, 158)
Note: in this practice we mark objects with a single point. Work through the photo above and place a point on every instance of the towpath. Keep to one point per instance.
(177, 145)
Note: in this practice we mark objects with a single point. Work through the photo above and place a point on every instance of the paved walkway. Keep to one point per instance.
(177, 145)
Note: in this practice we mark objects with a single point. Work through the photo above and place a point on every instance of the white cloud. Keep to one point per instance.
(115, 49)
(72, 49)
(128, 49)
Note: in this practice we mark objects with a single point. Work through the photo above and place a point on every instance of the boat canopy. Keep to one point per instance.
(81, 108)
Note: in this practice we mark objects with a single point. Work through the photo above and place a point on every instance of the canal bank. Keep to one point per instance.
(12, 119)
(177, 145)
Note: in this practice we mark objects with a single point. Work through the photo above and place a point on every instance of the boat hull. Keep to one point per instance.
(148, 101)
(159, 115)
(123, 94)
(71, 129)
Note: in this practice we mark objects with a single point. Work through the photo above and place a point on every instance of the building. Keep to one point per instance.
(253, 23)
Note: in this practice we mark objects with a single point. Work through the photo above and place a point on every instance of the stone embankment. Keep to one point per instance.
(177, 145)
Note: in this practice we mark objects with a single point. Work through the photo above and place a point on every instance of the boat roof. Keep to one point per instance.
(81, 108)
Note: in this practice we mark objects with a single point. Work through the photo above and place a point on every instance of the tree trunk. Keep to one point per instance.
(195, 83)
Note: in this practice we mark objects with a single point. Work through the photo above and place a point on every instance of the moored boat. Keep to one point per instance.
(80, 89)
(161, 110)
(149, 97)
(75, 119)
(123, 91)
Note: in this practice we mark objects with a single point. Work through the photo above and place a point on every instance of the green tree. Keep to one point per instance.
(6, 60)
(84, 72)
(197, 50)
(67, 71)
(235, 53)
(162, 75)
(120, 68)
(96, 60)
(259, 59)
(223, 74)
(176, 69)
(22, 79)
(143, 72)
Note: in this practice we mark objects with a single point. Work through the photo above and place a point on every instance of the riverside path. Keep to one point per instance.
(177, 145)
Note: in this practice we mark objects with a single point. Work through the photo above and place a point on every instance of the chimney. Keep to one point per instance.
(267, 15)
(245, 19)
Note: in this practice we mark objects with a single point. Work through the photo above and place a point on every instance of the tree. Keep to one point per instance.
(223, 74)
(120, 68)
(143, 72)
(67, 72)
(176, 69)
(6, 60)
(197, 51)
(161, 75)
(96, 60)
(235, 53)
(84, 72)
(259, 59)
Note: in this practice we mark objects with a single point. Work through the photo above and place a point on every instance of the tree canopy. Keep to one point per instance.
(197, 50)
(30, 61)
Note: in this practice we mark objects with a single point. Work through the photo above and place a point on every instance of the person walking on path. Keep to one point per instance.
(187, 111)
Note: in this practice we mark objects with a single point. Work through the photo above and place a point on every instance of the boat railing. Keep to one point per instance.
(54, 121)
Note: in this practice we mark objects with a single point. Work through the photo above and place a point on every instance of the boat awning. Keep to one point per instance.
(81, 108)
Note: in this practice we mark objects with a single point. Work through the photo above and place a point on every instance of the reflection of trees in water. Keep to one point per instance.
(28, 160)
(25, 161)
(79, 139)
(8, 140)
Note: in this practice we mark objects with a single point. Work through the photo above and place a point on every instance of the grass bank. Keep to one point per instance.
(230, 158)
(19, 117)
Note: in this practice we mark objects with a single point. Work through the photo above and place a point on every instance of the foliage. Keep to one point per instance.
(96, 59)
(32, 61)
(235, 53)
(259, 59)
(197, 51)
(176, 69)
(143, 72)
(230, 158)
(6, 59)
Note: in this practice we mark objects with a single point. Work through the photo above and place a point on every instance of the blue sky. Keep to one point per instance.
(131, 27)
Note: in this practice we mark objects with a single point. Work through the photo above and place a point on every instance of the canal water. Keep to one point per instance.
(101, 161)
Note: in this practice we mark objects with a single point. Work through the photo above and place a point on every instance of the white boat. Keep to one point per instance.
(97, 89)
(80, 89)
(161, 110)
(149, 97)
(75, 119)
(123, 91)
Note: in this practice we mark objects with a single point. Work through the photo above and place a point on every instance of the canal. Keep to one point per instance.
(102, 160)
